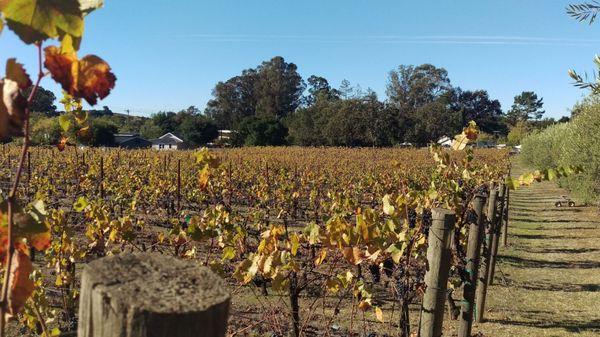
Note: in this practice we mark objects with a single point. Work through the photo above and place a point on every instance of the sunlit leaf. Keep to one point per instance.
(379, 314)
(387, 206)
(81, 204)
(64, 121)
(37, 20)
(87, 6)
(12, 110)
(353, 255)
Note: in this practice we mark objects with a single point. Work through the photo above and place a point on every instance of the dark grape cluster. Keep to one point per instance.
(375, 272)
(388, 267)
(412, 218)
(471, 216)
(427, 219)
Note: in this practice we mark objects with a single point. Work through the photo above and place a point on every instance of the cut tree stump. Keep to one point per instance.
(151, 295)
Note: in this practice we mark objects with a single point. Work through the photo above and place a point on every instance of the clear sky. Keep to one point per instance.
(168, 55)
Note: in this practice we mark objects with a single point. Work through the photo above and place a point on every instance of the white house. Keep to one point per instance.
(445, 141)
(169, 141)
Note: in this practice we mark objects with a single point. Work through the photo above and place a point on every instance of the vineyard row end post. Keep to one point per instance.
(485, 265)
(476, 232)
(157, 295)
(505, 219)
(496, 237)
(438, 258)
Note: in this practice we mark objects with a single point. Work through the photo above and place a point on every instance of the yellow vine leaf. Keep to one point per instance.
(379, 314)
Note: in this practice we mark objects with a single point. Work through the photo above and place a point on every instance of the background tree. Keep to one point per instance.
(259, 97)
(43, 101)
(149, 130)
(102, 133)
(518, 132)
(46, 131)
(197, 129)
(477, 106)
(165, 121)
(278, 89)
(410, 87)
(526, 107)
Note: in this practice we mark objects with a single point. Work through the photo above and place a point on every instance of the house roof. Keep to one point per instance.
(168, 139)
(125, 137)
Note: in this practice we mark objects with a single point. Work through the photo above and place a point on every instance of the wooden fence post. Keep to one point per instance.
(179, 185)
(476, 231)
(102, 177)
(149, 294)
(28, 168)
(436, 278)
(482, 278)
(496, 234)
(505, 218)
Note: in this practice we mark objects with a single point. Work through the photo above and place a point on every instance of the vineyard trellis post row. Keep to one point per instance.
(149, 294)
(505, 218)
(476, 232)
(102, 178)
(179, 185)
(485, 265)
(438, 257)
(496, 234)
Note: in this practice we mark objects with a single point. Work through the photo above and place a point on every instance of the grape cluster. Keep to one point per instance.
(375, 272)
(388, 267)
(412, 218)
(471, 216)
(427, 219)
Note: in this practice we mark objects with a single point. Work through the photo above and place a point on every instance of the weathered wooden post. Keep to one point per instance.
(496, 234)
(482, 279)
(28, 168)
(505, 218)
(102, 177)
(476, 231)
(179, 185)
(151, 295)
(436, 278)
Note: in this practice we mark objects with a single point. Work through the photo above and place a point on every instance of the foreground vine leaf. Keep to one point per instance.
(12, 110)
(29, 226)
(87, 6)
(20, 285)
(16, 72)
(38, 20)
(89, 78)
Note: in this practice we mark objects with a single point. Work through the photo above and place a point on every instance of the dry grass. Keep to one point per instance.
(548, 282)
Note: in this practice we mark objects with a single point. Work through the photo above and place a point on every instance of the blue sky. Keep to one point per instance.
(168, 55)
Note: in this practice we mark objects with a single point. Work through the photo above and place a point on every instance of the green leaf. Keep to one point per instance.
(312, 231)
(228, 253)
(37, 20)
(1, 25)
(552, 174)
(65, 122)
(80, 205)
(510, 183)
